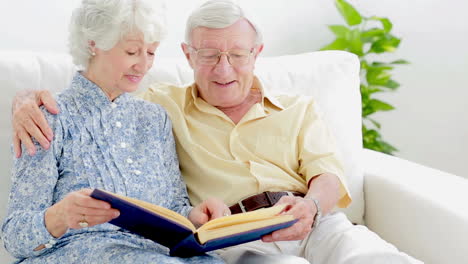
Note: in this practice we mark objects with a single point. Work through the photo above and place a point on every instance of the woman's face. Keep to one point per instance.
(120, 69)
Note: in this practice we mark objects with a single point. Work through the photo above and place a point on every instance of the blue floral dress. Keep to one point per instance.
(125, 146)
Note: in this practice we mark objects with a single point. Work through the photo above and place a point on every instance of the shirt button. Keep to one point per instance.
(123, 145)
(137, 172)
(118, 124)
(129, 161)
(113, 105)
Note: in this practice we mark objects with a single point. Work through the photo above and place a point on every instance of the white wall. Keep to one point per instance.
(430, 124)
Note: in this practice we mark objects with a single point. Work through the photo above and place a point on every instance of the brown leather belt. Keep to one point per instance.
(261, 200)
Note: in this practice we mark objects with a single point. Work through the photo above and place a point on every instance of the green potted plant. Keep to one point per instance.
(366, 36)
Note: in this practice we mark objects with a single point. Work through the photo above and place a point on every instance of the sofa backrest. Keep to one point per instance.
(330, 77)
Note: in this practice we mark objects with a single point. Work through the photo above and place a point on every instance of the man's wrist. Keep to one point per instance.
(318, 212)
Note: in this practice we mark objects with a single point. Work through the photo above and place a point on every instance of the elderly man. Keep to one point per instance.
(252, 150)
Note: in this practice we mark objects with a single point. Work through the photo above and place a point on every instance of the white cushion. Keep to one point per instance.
(331, 77)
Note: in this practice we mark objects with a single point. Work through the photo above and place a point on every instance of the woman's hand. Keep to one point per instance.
(75, 208)
(208, 210)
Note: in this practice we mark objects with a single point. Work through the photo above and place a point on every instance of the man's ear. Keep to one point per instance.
(186, 50)
(259, 50)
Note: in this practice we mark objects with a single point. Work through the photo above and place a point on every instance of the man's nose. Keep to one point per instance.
(223, 64)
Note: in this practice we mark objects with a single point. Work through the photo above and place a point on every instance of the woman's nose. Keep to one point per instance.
(144, 63)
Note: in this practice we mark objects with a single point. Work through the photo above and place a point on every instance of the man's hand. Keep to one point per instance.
(28, 120)
(208, 210)
(302, 209)
(324, 187)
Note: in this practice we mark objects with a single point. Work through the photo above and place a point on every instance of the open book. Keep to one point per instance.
(176, 232)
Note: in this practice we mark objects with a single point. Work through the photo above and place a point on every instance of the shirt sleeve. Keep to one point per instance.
(181, 202)
(33, 182)
(317, 152)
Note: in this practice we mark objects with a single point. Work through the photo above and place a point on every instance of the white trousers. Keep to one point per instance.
(335, 241)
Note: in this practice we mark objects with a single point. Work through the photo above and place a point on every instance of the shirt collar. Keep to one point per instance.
(92, 95)
(257, 84)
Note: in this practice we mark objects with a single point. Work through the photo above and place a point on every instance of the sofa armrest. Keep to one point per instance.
(422, 211)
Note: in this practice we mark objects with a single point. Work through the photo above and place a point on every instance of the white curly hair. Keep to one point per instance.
(106, 22)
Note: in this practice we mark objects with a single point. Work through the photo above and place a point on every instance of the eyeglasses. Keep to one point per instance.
(210, 57)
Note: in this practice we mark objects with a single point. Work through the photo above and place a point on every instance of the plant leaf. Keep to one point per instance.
(371, 139)
(372, 35)
(376, 124)
(338, 44)
(355, 43)
(378, 75)
(380, 105)
(378, 64)
(387, 44)
(392, 84)
(386, 24)
(400, 62)
(340, 31)
(348, 12)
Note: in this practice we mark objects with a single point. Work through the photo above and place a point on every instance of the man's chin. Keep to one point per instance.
(219, 103)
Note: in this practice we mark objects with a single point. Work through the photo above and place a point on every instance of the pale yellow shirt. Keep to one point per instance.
(279, 145)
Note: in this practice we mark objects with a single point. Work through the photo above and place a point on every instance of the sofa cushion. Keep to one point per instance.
(330, 77)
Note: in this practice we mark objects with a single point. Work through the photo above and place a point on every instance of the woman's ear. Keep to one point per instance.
(92, 47)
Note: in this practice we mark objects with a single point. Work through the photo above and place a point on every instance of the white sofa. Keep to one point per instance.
(420, 210)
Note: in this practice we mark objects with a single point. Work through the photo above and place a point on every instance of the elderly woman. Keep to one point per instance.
(104, 138)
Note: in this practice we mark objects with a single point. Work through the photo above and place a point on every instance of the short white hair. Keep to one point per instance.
(218, 14)
(106, 22)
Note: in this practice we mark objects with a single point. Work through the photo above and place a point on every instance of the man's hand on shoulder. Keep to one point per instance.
(28, 120)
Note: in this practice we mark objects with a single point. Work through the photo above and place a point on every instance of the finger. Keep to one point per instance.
(46, 98)
(217, 211)
(286, 200)
(82, 198)
(34, 131)
(97, 212)
(90, 220)
(17, 146)
(301, 210)
(296, 232)
(267, 238)
(85, 191)
(25, 139)
(40, 121)
(198, 216)
(97, 220)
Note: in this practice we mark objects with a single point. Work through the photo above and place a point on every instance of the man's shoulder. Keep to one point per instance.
(289, 100)
(164, 90)
(171, 97)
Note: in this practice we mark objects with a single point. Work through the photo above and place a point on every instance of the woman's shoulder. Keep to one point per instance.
(150, 115)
